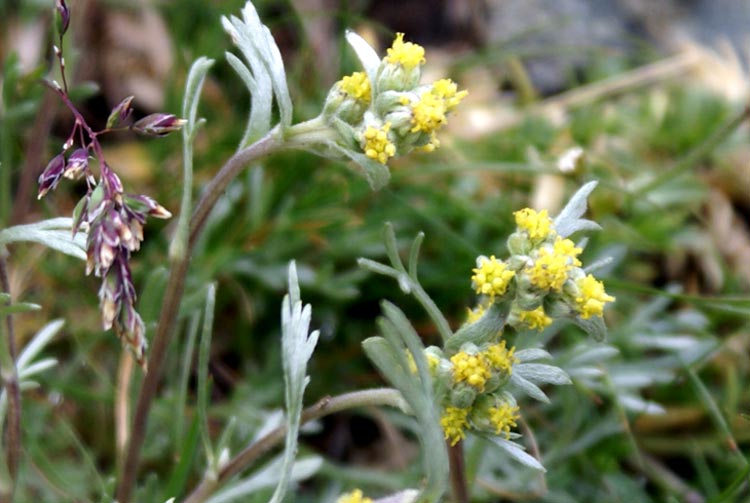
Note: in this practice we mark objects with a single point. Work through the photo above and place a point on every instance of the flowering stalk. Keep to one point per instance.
(476, 375)
(113, 218)
(340, 131)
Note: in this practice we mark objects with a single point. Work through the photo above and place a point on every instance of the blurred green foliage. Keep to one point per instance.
(681, 341)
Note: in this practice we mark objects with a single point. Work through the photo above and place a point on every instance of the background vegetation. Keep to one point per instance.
(670, 420)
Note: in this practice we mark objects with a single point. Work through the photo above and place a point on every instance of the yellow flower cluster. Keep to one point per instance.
(492, 277)
(474, 369)
(406, 54)
(503, 418)
(550, 270)
(357, 86)
(551, 267)
(536, 319)
(355, 496)
(429, 113)
(500, 357)
(376, 145)
(537, 225)
(454, 422)
(592, 297)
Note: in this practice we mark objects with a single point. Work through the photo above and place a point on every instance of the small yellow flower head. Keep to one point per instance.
(568, 248)
(536, 319)
(406, 54)
(428, 113)
(355, 496)
(357, 86)
(376, 145)
(473, 369)
(550, 270)
(592, 297)
(491, 277)
(503, 418)
(454, 424)
(537, 225)
(448, 91)
(500, 357)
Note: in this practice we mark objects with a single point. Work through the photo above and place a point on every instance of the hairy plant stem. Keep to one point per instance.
(273, 141)
(458, 473)
(9, 374)
(325, 406)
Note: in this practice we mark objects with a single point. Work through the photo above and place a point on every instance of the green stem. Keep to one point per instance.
(324, 407)
(10, 381)
(171, 302)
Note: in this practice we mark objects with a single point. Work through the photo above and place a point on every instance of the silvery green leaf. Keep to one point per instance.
(261, 99)
(38, 342)
(53, 233)
(638, 376)
(18, 307)
(528, 387)
(265, 65)
(193, 86)
(377, 174)
(36, 367)
(386, 358)
(271, 56)
(266, 478)
(637, 404)
(593, 326)
(541, 373)
(479, 332)
(366, 54)
(297, 344)
(518, 453)
(25, 365)
(569, 220)
(407, 496)
(592, 354)
(585, 373)
(665, 341)
(531, 354)
(389, 354)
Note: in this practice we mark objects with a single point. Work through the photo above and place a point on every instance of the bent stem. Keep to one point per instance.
(10, 382)
(324, 407)
(172, 296)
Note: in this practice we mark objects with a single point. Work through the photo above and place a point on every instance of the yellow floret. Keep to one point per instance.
(406, 54)
(492, 277)
(568, 248)
(592, 297)
(472, 369)
(537, 225)
(428, 114)
(454, 424)
(355, 496)
(500, 357)
(357, 86)
(376, 145)
(550, 270)
(536, 319)
(448, 91)
(503, 418)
